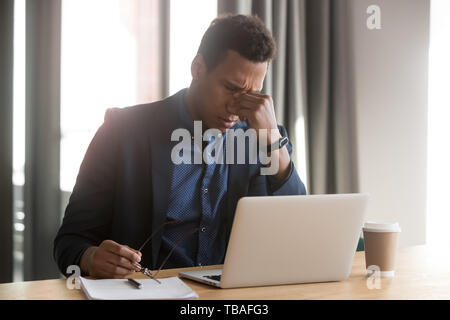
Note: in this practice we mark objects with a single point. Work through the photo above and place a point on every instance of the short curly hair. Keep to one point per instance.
(245, 34)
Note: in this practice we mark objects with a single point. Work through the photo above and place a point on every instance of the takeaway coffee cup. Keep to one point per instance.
(380, 246)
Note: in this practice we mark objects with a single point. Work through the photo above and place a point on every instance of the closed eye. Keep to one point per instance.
(232, 89)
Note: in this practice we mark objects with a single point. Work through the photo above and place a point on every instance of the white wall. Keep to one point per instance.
(390, 70)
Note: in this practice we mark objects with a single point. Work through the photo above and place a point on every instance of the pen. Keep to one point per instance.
(138, 285)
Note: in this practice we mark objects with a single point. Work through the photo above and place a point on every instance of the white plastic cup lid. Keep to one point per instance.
(381, 227)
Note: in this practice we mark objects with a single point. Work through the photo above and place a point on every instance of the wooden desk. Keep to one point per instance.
(423, 272)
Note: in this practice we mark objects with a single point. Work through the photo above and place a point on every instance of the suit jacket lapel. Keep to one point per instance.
(161, 147)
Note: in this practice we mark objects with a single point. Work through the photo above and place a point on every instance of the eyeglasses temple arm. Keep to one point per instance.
(156, 231)
(171, 251)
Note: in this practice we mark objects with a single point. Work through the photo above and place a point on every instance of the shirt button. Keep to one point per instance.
(205, 190)
(203, 229)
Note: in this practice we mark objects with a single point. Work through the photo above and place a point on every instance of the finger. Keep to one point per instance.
(105, 272)
(241, 103)
(257, 94)
(252, 97)
(248, 105)
(257, 100)
(103, 269)
(244, 114)
(120, 261)
(122, 251)
(101, 264)
(115, 270)
(134, 250)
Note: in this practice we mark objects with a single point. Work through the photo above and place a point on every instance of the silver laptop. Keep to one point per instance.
(289, 239)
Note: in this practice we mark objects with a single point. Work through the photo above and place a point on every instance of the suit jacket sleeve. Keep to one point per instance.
(268, 185)
(87, 218)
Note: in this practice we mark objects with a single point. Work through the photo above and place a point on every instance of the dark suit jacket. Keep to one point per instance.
(123, 172)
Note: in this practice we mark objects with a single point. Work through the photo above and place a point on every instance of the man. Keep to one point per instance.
(129, 185)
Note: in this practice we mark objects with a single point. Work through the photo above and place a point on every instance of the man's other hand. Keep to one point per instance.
(110, 260)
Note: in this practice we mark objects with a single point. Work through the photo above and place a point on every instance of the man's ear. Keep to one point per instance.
(198, 67)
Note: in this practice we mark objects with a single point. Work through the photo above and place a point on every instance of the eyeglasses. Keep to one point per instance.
(147, 271)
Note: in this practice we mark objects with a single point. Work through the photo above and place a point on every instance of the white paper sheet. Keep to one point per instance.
(121, 289)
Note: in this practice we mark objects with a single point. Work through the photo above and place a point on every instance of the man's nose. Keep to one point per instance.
(231, 109)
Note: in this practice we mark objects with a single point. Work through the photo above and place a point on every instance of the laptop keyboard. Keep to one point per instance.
(214, 277)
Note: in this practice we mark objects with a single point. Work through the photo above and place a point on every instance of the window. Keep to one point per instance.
(185, 36)
(110, 59)
(18, 137)
(99, 63)
(438, 128)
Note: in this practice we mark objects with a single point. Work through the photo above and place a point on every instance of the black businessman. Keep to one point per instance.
(129, 185)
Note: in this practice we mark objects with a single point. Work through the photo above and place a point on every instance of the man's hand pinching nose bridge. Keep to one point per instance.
(257, 108)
